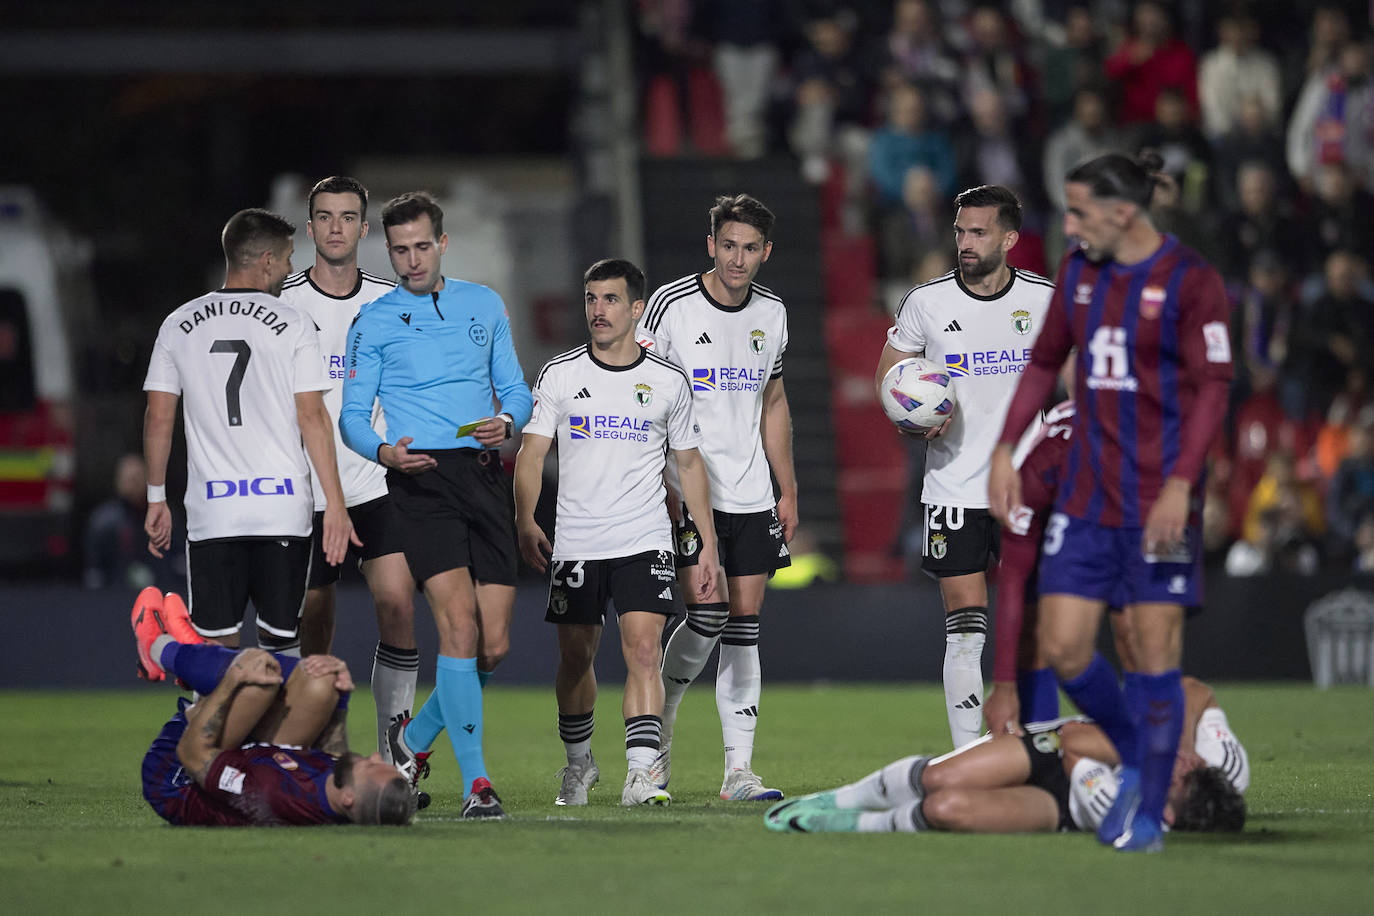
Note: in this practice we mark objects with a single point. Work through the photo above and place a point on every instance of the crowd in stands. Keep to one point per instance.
(1263, 113)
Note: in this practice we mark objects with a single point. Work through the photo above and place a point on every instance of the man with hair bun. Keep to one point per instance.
(1148, 321)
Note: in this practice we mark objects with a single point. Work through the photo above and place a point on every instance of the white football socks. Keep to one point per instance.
(898, 783)
(738, 685)
(394, 672)
(686, 654)
(965, 633)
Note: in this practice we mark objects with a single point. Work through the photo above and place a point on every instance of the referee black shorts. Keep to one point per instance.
(459, 514)
(224, 574)
(378, 525)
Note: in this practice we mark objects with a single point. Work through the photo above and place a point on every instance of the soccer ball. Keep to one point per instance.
(916, 394)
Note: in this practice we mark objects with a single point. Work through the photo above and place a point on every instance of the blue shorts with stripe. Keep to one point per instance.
(1083, 558)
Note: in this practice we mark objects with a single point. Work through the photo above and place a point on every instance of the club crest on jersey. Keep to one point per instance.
(938, 546)
(1046, 742)
(687, 542)
(1083, 294)
(643, 394)
(757, 340)
(285, 761)
(1151, 302)
(558, 601)
(1021, 321)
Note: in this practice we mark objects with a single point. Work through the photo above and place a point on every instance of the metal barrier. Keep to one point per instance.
(1340, 638)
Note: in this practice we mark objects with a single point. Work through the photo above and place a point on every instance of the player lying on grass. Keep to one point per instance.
(1059, 775)
(265, 745)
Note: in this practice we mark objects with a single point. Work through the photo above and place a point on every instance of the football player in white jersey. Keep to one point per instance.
(331, 292)
(1059, 775)
(616, 410)
(246, 367)
(729, 334)
(978, 321)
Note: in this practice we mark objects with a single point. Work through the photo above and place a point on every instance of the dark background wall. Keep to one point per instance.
(63, 636)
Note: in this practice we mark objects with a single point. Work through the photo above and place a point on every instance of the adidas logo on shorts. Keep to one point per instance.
(666, 594)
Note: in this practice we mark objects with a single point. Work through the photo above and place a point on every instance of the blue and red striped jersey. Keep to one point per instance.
(1149, 335)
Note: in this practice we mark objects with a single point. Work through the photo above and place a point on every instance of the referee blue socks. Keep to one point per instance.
(1098, 694)
(460, 698)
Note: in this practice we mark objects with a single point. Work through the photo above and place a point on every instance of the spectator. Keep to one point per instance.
(1261, 427)
(1252, 138)
(1338, 216)
(116, 545)
(1332, 336)
(1348, 410)
(1363, 562)
(1148, 60)
(832, 94)
(905, 142)
(1283, 524)
(1329, 34)
(1333, 121)
(1261, 223)
(1087, 134)
(991, 152)
(1261, 323)
(1071, 65)
(995, 62)
(1236, 69)
(745, 38)
(914, 51)
(1350, 495)
(920, 225)
(1186, 153)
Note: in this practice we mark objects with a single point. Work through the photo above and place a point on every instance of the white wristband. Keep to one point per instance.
(157, 494)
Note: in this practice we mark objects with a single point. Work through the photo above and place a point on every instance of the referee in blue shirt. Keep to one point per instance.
(437, 353)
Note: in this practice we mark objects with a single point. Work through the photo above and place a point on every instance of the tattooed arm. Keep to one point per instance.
(203, 739)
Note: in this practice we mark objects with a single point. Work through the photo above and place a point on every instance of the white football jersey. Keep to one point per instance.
(238, 358)
(613, 425)
(985, 343)
(729, 353)
(1093, 784)
(362, 480)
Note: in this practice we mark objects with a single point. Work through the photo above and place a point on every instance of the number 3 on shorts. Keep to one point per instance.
(573, 578)
(1054, 533)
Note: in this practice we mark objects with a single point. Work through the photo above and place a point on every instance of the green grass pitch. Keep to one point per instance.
(77, 838)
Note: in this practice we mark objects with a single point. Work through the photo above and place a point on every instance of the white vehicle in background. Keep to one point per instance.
(39, 264)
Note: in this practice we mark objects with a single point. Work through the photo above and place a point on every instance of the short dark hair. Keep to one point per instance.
(411, 206)
(741, 208)
(337, 184)
(1118, 175)
(615, 268)
(994, 195)
(1210, 803)
(251, 232)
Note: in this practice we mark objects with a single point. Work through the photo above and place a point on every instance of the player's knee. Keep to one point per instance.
(312, 689)
(946, 809)
(642, 654)
(1068, 657)
(575, 656)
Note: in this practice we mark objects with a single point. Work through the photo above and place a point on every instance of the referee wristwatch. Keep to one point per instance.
(510, 424)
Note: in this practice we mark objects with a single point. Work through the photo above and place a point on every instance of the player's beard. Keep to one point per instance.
(980, 268)
(343, 771)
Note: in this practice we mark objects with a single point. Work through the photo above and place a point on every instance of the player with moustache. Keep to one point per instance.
(616, 411)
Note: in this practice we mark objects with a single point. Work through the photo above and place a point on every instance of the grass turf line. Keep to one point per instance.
(76, 836)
